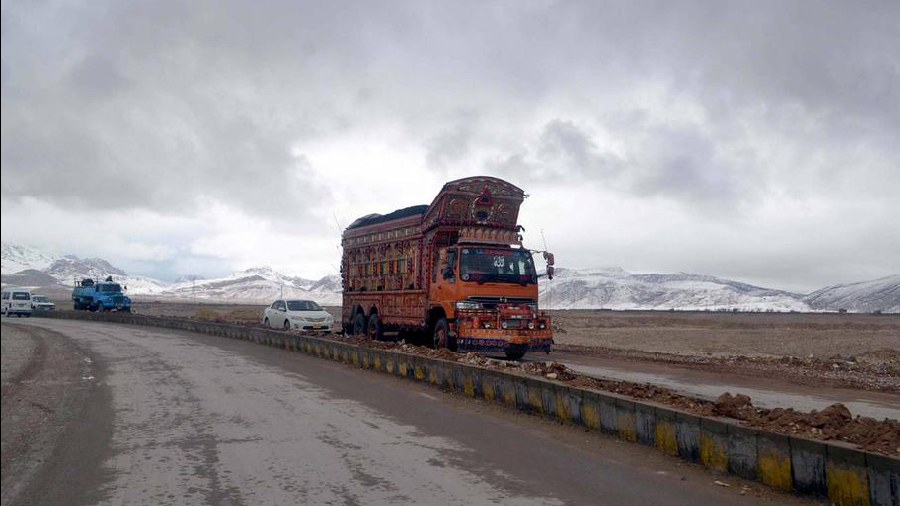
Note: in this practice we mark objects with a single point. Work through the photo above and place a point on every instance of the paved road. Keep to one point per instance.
(765, 392)
(204, 420)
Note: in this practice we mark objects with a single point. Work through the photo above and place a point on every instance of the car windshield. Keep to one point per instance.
(21, 296)
(39, 298)
(303, 305)
(111, 287)
(483, 265)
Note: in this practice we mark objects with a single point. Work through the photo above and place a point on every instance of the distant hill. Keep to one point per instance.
(259, 284)
(617, 289)
(31, 277)
(882, 294)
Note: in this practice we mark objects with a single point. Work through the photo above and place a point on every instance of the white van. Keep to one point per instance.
(16, 301)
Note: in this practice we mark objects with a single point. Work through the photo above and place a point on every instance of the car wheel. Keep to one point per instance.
(266, 323)
(287, 325)
(374, 330)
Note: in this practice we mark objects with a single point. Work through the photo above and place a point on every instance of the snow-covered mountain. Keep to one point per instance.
(69, 269)
(16, 258)
(882, 294)
(259, 284)
(610, 288)
(617, 289)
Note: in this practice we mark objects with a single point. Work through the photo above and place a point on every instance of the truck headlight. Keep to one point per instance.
(468, 305)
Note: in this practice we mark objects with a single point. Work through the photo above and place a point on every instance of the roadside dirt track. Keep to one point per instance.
(196, 419)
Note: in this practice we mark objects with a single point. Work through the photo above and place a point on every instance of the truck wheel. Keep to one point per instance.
(374, 329)
(441, 337)
(515, 355)
(359, 325)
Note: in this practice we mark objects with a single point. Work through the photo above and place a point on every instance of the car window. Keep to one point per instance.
(21, 296)
(274, 305)
(280, 305)
(303, 305)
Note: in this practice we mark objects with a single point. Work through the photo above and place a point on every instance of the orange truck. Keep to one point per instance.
(455, 270)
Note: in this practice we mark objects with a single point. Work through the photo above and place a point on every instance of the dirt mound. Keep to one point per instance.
(733, 406)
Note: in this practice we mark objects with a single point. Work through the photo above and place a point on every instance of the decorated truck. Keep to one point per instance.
(455, 270)
(90, 295)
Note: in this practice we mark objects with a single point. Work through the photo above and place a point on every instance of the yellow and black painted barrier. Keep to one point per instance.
(825, 469)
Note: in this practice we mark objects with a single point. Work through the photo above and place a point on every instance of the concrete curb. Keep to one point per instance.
(824, 469)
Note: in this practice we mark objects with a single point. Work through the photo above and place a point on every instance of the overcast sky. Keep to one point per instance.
(757, 140)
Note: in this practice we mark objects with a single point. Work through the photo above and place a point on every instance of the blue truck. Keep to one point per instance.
(90, 295)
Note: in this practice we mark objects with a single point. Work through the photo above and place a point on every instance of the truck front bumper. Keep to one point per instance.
(489, 341)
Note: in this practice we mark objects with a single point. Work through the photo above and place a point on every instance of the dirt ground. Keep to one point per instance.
(715, 333)
(46, 384)
(686, 333)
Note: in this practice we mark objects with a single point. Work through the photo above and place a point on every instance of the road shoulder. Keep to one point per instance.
(56, 418)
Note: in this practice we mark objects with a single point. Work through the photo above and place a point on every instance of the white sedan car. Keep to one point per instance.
(42, 302)
(297, 315)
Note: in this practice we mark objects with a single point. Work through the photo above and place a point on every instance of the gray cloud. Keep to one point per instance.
(720, 108)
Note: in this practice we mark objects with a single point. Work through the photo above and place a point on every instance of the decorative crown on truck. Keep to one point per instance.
(455, 269)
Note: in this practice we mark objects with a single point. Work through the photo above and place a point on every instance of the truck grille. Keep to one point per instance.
(491, 302)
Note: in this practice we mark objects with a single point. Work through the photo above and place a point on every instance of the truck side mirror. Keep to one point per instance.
(549, 258)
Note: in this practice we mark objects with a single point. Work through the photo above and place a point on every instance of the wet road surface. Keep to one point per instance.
(765, 392)
(205, 420)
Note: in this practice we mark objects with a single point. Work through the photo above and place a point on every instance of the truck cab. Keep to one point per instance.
(488, 295)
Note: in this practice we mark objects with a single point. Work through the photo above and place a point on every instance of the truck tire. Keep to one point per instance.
(374, 330)
(441, 337)
(358, 327)
(515, 355)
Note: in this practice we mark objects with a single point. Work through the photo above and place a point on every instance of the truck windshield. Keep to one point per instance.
(113, 287)
(483, 265)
